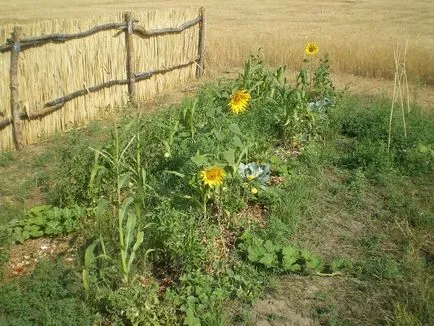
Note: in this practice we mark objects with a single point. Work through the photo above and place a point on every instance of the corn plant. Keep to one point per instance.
(172, 128)
(90, 260)
(126, 236)
(259, 81)
(122, 177)
(188, 116)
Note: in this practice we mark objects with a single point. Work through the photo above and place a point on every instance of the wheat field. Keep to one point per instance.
(359, 36)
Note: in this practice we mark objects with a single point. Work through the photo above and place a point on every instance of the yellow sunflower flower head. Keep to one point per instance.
(213, 176)
(311, 49)
(239, 101)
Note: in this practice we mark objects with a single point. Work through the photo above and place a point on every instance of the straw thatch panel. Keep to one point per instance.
(165, 51)
(55, 70)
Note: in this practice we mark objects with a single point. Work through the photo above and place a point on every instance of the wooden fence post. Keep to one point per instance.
(130, 59)
(17, 130)
(201, 48)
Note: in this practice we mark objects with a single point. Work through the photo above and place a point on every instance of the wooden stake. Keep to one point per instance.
(130, 59)
(201, 48)
(17, 129)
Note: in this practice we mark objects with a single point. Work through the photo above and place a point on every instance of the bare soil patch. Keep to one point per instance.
(23, 258)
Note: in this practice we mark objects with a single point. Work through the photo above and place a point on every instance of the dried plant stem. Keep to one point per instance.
(400, 85)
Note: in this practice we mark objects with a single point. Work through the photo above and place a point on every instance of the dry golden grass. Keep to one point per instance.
(358, 35)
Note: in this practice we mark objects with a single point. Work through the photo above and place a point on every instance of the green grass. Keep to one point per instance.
(343, 214)
(52, 295)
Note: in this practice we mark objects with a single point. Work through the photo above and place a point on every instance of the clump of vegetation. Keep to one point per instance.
(51, 295)
(197, 206)
(46, 221)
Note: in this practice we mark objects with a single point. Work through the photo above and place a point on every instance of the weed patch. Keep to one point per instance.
(186, 214)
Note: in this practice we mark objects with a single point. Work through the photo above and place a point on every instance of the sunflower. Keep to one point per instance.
(311, 49)
(212, 176)
(239, 101)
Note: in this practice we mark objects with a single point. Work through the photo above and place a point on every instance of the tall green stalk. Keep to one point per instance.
(122, 206)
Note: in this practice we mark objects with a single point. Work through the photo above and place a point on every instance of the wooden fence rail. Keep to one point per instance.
(30, 42)
(17, 44)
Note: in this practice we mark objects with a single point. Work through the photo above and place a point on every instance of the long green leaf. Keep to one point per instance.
(89, 255)
(96, 167)
(124, 209)
(126, 147)
(85, 278)
(124, 179)
(136, 246)
(131, 224)
(139, 240)
(178, 174)
(106, 155)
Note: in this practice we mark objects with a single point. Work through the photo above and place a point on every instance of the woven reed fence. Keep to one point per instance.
(76, 69)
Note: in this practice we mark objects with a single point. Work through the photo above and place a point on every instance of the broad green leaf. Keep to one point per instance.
(314, 264)
(269, 246)
(22, 237)
(255, 252)
(237, 142)
(190, 319)
(53, 227)
(312, 261)
(269, 260)
(34, 227)
(200, 159)
(290, 257)
(229, 156)
(38, 209)
(235, 129)
(294, 268)
(289, 251)
(36, 233)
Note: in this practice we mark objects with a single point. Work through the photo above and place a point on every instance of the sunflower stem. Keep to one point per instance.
(204, 202)
(310, 75)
